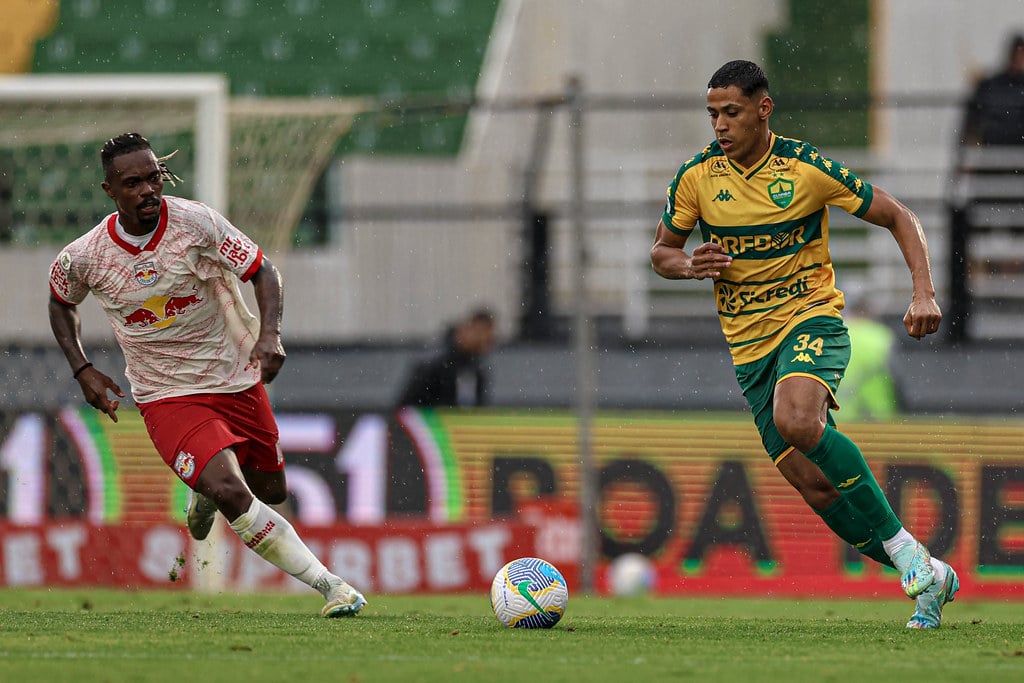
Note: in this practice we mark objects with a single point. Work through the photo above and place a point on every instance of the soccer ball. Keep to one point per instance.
(631, 575)
(529, 593)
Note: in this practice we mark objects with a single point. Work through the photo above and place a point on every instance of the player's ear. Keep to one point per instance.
(106, 188)
(765, 107)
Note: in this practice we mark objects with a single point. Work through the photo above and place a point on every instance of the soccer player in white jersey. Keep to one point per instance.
(166, 272)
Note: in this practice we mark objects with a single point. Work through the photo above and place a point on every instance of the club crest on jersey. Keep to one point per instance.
(781, 192)
(719, 167)
(145, 273)
(185, 465)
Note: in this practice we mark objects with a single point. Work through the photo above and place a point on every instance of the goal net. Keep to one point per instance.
(254, 159)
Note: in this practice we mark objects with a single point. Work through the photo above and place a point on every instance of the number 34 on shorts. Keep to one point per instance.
(806, 347)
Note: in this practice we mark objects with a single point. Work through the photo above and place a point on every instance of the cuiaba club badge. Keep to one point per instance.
(780, 191)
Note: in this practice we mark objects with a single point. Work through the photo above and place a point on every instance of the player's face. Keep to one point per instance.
(740, 123)
(136, 186)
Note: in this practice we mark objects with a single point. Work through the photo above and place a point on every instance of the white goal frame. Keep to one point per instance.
(208, 91)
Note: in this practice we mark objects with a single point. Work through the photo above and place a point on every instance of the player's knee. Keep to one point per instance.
(229, 493)
(799, 430)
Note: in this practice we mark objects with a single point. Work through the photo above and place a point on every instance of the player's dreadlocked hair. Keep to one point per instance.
(133, 142)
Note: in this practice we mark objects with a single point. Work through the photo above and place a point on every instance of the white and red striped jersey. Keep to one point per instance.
(175, 304)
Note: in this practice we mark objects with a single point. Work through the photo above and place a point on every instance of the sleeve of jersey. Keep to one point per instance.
(64, 282)
(848, 192)
(235, 250)
(681, 211)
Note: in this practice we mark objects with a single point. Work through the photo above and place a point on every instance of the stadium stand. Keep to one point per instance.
(301, 48)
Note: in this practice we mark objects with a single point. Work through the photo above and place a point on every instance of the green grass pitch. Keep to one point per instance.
(98, 635)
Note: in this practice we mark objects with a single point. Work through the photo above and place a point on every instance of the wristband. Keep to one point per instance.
(80, 370)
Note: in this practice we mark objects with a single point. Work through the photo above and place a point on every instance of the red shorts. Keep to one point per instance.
(189, 430)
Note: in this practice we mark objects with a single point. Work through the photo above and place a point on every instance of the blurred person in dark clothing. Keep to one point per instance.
(456, 376)
(995, 112)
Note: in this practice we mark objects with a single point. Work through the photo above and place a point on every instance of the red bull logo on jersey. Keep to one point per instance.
(161, 311)
(145, 273)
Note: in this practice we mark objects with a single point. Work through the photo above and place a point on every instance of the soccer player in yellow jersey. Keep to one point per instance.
(761, 203)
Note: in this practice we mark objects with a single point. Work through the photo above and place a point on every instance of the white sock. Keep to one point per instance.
(940, 570)
(901, 539)
(270, 536)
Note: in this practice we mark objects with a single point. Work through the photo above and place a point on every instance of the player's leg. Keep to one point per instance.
(758, 382)
(262, 464)
(809, 368)
(836, 511)
(270, 535)
(800, 408)
(270, 487)
(199, 437)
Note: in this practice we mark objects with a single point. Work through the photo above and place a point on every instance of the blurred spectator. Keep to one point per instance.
(995, 112)
(868, 391)
(456, 376)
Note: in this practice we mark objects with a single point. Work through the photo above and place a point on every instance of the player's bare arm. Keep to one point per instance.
(670, 261)
(923, 315)
(269, 351)
(67, 326)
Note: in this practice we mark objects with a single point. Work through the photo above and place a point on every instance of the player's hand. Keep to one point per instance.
(268, 354)
(709, 260)
(95, 386)
(923, 317)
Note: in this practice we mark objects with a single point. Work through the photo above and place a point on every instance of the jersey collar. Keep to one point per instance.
(758, 165)
(153, 241)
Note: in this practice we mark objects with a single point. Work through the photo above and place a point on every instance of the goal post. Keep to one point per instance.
(254, 159)
(127, 102)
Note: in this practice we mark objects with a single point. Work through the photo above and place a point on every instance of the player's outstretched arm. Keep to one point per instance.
(923, 315)
(268, 351)
(67, 326)
(670, 261)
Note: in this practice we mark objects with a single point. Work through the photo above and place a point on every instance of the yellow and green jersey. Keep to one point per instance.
(773, 220)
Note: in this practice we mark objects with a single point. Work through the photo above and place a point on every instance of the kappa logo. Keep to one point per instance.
(848, 483)
(724, 196)
(803, 357)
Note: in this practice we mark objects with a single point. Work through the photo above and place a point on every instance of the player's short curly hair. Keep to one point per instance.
(747, 76)
(126, 143)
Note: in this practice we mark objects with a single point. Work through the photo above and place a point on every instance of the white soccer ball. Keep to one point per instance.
(631, 575)
(529, 593)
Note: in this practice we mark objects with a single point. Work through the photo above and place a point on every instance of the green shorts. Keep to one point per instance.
(819, 348)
